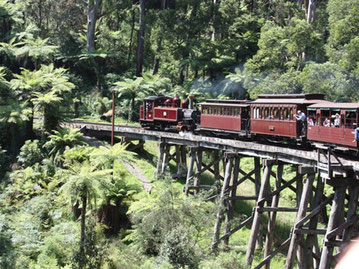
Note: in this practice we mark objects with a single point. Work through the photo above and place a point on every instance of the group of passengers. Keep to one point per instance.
(326, 121)
(301, 117)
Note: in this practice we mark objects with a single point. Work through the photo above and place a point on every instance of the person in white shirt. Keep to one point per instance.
(302, 118)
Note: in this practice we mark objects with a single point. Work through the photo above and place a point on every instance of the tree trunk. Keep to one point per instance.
(91, 23)
(51, 121)
(83, 230)
(214, 16)
(29, 126)
(300, 4)
(311, 11)
(140, 40)
(132, 110)
(131, 37)
(156, 63)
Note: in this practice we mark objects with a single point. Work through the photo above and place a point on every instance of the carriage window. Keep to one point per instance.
(257, 112)
(311, 117)
(325, 118)
(276, 113)
(229, 111)
(335, 118)
(235, 111)
(350, 119)
(291, 114)
(266, 113)
(286, 114)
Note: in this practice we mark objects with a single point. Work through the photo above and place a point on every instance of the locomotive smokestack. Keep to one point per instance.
(191, 97)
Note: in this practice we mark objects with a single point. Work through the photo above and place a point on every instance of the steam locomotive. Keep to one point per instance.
(271, 115)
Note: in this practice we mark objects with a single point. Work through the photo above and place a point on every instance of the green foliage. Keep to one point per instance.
(343, 27)
(132, 93)
(30, 153)
(7, 254)
(332, 80)
(282, 48)
(225, 260)
(94, 245)
(61, 140)
(171, 226)
(84, 179)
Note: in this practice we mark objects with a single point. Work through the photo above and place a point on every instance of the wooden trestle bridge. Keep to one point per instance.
(314, 170)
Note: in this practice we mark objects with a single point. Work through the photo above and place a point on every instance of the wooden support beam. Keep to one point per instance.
(190, 168)
(160, 159)
(312, 237)
(275, 252)
(315, 211)
(350, 222)
(243, 198)
(338, 205)
(208, 187)
(309, 232)
(183, 158)
(196, 181)
(257, 214)
(247, 176)
(299, 189)
(257, 185)
(165, 158)
(276, 192)
(301, 213)
(230, 203)
(216, 167)
(352, 208)
(227, 177)
(277, 209)
(257, 174)
(205, 167)
(242, 224)
(273, 215)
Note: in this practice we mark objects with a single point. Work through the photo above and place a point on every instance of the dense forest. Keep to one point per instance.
(65, 203)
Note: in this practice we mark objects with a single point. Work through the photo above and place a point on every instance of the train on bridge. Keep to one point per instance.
(307, 118)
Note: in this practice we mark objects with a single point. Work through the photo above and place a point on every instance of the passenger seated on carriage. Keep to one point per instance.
(336, 121)
(326, 122)
(311, 121)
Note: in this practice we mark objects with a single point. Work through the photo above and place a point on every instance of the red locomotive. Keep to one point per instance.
(272, 115)
(165, 113)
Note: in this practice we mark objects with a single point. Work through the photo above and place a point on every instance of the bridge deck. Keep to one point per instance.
(247, 148)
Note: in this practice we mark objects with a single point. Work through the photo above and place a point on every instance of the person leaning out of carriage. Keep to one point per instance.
(356, 134)
(302, 118)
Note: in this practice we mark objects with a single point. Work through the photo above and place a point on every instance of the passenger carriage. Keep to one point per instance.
(225, 116)
(333, 123)
(275, 114)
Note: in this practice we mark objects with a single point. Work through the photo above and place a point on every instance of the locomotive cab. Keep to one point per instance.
(147, 109)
